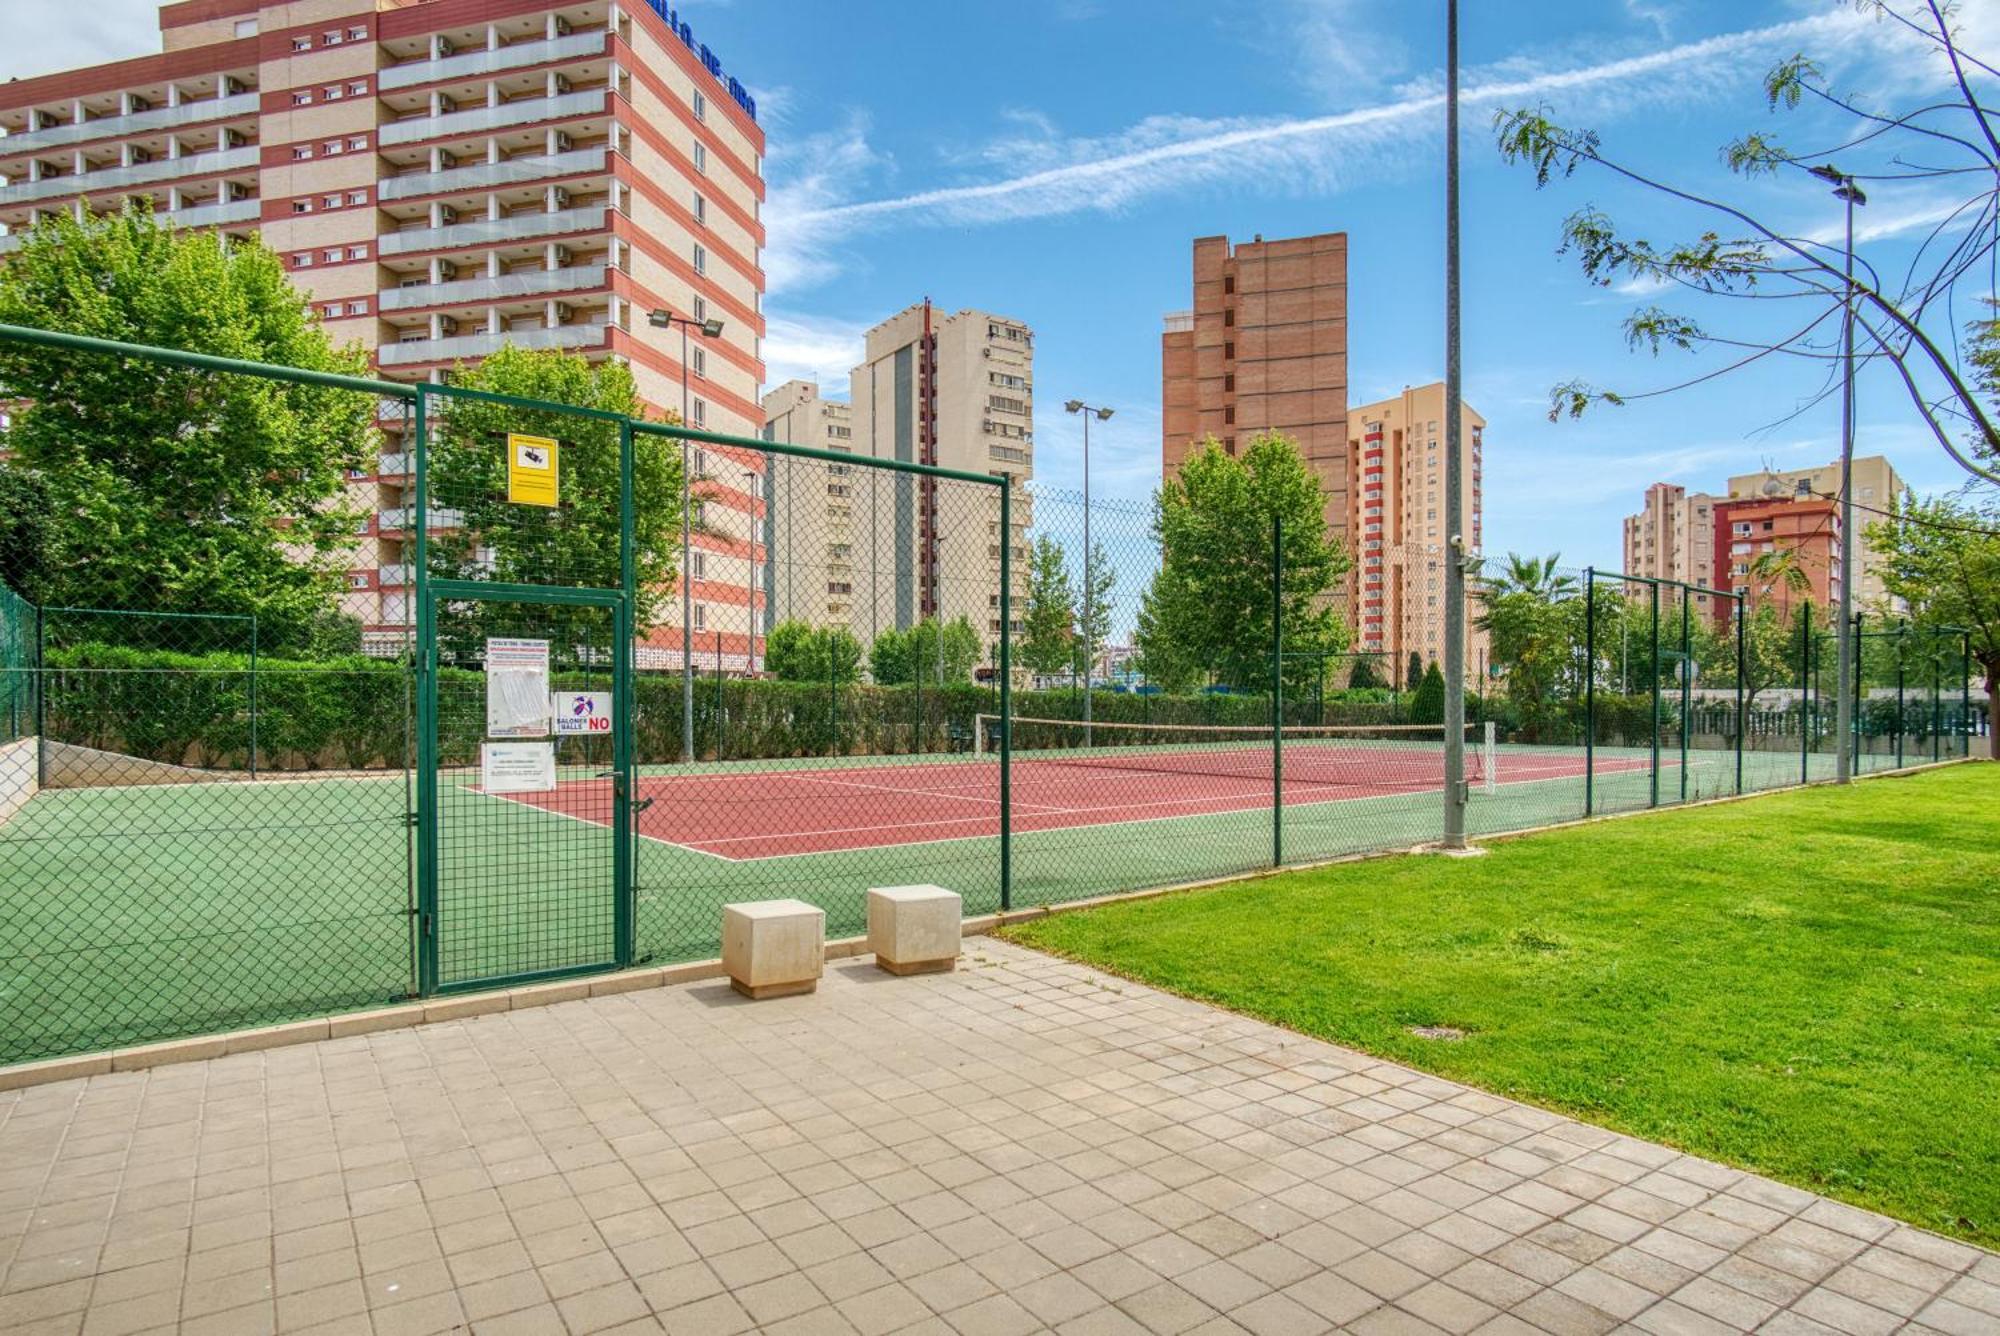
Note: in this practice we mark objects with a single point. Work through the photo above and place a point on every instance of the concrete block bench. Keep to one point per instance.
(914, 929)
(773, 948)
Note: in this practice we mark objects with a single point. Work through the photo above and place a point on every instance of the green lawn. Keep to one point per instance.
(1805, 984)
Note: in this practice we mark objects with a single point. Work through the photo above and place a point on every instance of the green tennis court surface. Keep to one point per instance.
(147, 912)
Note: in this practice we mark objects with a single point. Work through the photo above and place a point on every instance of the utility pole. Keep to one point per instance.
(1454, 501)
(710, 328)
(1845, 190)
(1089, 575)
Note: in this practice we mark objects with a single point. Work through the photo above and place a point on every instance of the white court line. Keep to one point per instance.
(598, 825)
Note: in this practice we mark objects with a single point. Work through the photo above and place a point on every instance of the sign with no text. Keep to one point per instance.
(531, 470)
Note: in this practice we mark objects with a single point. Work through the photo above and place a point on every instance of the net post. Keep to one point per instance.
(1742, 711)
(1006, 691)
(1654, 790)
(1589, 689)
(253, 695)
(1902, 643)
(425, 661)
(1492, 760)
(1964, 692)
(1277, 690)
(1937, 704)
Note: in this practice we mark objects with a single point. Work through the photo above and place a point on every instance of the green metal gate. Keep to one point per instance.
(529, 850)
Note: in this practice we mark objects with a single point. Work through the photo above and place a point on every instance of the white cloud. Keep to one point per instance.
(1318, 153)
(48, 36)
(812, 174)
(821, 349)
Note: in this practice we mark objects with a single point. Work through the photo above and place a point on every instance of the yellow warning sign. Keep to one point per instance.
(531, 470)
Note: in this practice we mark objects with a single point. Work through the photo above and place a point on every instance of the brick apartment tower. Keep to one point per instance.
(1263, 349)
(443, 177)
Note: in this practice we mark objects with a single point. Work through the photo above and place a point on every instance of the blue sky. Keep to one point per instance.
(1052, 159)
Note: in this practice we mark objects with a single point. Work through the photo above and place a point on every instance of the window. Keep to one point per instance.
(302, 206)
(700, 413)
(1228, 352)
(700, 617)
(700, 209)
(301, 152)
(357, 252)
(302, 98)
(700, 309)
(701, 259)
(332, 256)
(700, 106)
(357, 308)
(303, 260)
(357, 197)
(330, 202)
(359, 88)
(330, 147)
(246, 27)
(333, 38)
(330, 311)
(357, 34)
(698, 362)
(700, 157)
(357, 143)
(302, 44)
(700, 565)
(332, 93)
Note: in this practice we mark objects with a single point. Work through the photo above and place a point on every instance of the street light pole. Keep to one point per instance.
(1089, 584)
(1454, 507)
(710, 328)
(1845, 675)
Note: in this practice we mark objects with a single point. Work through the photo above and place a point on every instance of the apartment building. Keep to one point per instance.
(1264, 348)
(442, 178)
(1673, 538)
(1876, 485)
(1750, 527)
(955, 390)
(1395, 524)
(810, 537)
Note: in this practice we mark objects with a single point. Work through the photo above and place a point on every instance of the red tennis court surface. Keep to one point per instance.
(750, 814)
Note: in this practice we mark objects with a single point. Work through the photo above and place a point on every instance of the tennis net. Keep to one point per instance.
(1385, 756)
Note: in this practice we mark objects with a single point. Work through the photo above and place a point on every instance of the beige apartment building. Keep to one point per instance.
(443, 178)
(1876, 484)
(810, 563)
(1673, 538)
(954, 390)
(1397, 536)
(1264, 348)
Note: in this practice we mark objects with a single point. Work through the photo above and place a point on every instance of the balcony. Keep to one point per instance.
(481, 230)
(470, 64)
(480, 345)
(204, 215)
(485, 175)
(479, 120)
(120, 178)
(138, 122)
(397, 574)
(390, 466)
(398, 517)
(500, 287)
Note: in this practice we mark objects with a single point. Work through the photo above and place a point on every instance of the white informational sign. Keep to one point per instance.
(517, 767)
(517, 688)
(582, 714)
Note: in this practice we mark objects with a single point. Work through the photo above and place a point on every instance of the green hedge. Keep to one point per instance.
(355, 712)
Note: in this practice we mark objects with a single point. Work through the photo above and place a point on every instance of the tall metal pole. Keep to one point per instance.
(1454, 502)
(1843, 765)
(1742, 670)
(1088, 591)
(687, 572)
(1589, 689)
(1278, 690)
(1006, 693)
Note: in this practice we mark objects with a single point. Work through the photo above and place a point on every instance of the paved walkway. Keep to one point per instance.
(1020, 1146)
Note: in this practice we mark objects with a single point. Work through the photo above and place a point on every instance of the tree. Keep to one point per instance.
(1048, 622)
(1780, 566)
(576, 542)
(1427, 704)
(1094, 618)
(925, 653)
(796, 652)
(1208, 609)
(1942, 557)
(167, 489)
(1414, 673)
(1363, 675)
(1943, 140)
(1534, 623)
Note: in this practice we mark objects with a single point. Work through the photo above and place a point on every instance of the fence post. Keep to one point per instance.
(1902, 645)
(1654, 790)
(1687, 684)
(1805, 689)
(41, 699)
(1006, 691)
(1742, 705)
(833, 692)
(1277, 690)
(253, 695)
(1854, 706)
(1589, 689)
(425, 659)
(1937, 703)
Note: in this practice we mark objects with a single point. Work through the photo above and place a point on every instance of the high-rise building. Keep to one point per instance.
(1673, 538)
(957, 391)
(1713, 541)
(441, 179)
(1395, 525)
(810, 571)
(1264, 348)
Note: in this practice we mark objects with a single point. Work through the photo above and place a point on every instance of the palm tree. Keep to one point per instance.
(1780, 566)
(1537, 577)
